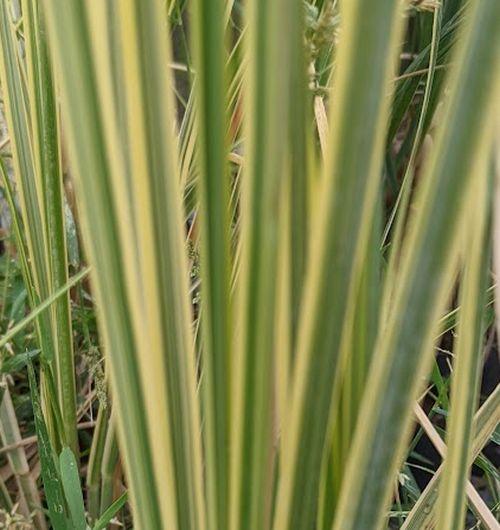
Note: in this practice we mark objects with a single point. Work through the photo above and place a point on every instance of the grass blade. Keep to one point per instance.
(32, 122)
(496, 224)
(216, 320)
(110, 461)
(267, 106)
(48, 174)
(141, 287)
(67, 19)
(404, 348)
(348, 193)
(42, 307)
(52, 482)
(465, 378)
(93, 479)
(172, 407)
(300, 154)
(70, 481)
(359, 345)
(111, 511)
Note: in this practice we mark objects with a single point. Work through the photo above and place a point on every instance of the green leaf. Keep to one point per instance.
(32, 120)
(268, 103)
(42, 307)
(51, 479)
(468, 359)
(70, 480)
(110, 512)
(49, 182)
(346, 202)
(216, 322)
(495, 437)
(429, 256)
(124, 158)
(17, 362)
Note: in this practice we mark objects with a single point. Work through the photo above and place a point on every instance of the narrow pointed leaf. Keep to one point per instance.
(70, 481)
(427, 270)
(339, 235)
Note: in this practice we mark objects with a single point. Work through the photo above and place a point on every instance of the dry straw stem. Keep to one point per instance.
(485, 423)
(477, 503)
(10, 434)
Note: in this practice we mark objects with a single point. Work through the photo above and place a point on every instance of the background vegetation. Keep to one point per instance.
(247, 273)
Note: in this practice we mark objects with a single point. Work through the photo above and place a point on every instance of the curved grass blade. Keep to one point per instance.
(409, 83)
(111, 511)
(403, 197)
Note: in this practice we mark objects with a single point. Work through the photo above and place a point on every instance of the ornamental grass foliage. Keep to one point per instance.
(248, 265)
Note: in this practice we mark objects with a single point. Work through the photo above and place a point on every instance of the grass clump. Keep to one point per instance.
(247, 274)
